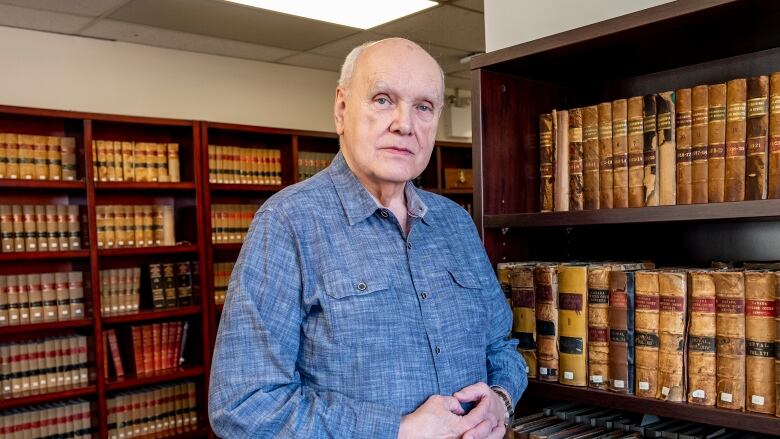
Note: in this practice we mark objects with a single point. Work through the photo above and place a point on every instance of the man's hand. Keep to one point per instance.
(489, 412)
(440, 417)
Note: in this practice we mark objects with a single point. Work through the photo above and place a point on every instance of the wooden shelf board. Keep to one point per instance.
(163, 250)
(229, 187)
(82, 392)
(198, 432)
(35, 256)
(41, 184)
(146, 315)
(739, 210)
(708, 415)
(45, 327)
(448, 144)
(236, 246)
(162, 376)
(466, 191)
(144, 185)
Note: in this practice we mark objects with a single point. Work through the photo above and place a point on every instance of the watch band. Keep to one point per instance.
(504, 395)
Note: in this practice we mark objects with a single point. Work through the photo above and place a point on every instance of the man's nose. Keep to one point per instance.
(402, 120)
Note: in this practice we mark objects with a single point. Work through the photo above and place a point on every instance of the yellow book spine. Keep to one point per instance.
(573, 321)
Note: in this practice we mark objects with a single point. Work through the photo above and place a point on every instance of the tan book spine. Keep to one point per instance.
(635, 142)
(672, 292)
(100, 220)
(50, 296)
(152, 161)
(148, 226)
(219, 162)
(74, 227)
(120, 227)
(110, 222)
(684, 121)
(13, 299)
(62, 227)
(730, 327)
(573, 321)
(129, 225)
(598, 326)
(546, 287)
(546, 162)
(4, 313)
(68, 157)
(590, 146)
(173, 163)
(777, 343)
(138, 226)
(51, 228)
(96, 168)
(162, 163)
(24, 299)
(111, 160)
(576, 185)
(668, 156)
(169, 233)
(63, 304)
(651, 177)
(30, 235)
(257, 166)
(41, 234)
(128, 161)
(235, 165)
(523, 314)
(244, 155)
(53, 158)
(103, 164)
(157, 225)
(620, 153)
(212, 156)
(702, 363)
(12, 152)
(139, 161)
(40, 167)
(76, 294)
(18, 227)
(716, 142)
(757, 138)
(3, 155)
(26, 157)
(736, 131)
(265, 154)
(699, 144)
(7, 228)
(760, 312)
(646, 333)
(46, 290)
(773, 173)
(561, 182)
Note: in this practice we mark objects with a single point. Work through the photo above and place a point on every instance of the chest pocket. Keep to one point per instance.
(468, 297)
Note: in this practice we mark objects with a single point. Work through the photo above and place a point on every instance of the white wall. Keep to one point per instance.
(510, 22)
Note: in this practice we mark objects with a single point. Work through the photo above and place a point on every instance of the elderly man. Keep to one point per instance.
(361, 306)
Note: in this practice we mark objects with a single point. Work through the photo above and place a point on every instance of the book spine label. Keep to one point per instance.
(760, 312)
(636, 165)
(699, 144)
(757, 132)
(672, 290)
(646, 333)
(524, 315)
(736, 130)
(620, 153)
(702, 365)
(605, 155)
(716, 141)
(546, 287)
(730, 329)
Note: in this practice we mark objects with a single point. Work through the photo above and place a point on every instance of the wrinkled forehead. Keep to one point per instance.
(402, 67)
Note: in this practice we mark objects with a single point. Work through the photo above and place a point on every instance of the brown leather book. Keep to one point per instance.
(636, 165)
(575, 160)
(590, 146)
(777, 344)
(621, 331)
(561, 181)
(650, 150)
(716, 142)
(53, 158)
(736, 126)
(701, 340)
(546, 287)
(730, 326)
(40, 152)
(68, 153)
(605, 155)
(757, 138)
(546, 162)
(598, 326)
(523, 314)
(672, 291)
(760, 312)
(683, 139)
(773, 173)
(620, 153)
(699, 144)
(646, 333)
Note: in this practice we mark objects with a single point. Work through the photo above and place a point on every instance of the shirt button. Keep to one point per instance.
(383, 213)
(424, 295)
(362, 286)
(438, 350)
(409, 245)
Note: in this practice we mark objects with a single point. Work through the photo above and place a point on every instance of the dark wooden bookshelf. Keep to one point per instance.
(231, 247)
(162, 376)
(42, 256)
(46, 327)
(143, 186)
(45, 398)
(53, 185)
(146, 315)
(222, 187)
(160, 250)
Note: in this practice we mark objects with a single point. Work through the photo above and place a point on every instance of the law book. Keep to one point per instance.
(546, 162)
(30, 234)
(635, 142)
(672, 292)
(17, 220)
(757, 138)
(646, 333)
(12, 152)
(50, 217)
(62, 227)
(157, 225)
(7, 228)
(702, 365)
(76, 294)
(730, 329)
(576, 156)
(109, 164)
(128, 165)
(212, 158)
(138, 226)
(74, 227)
(736, 129)
(651, 177)
(174, 174)
(561, 181)
(777, 343)
(524, 314)
(169, 284)
(183, 284)
(53, 158)
(598, 326)
(39, 215)
(110, 222)
(26, 156)
(760, 331)
(119, 158)
(3, 155)
(773, 159)
(546, 291)
(3, 306)
(63, 302)
(38, 282)
(621, 331)
(121, 230)
(157, 285)
(148, 346)
(49, 296)
(620, 153)
(156, 346)
(24, 300)
(699, 144)
(39, 167)
(68, 154)
(716, 142)
(169, 232)
(573, 322)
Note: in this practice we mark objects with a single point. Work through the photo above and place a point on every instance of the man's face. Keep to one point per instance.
(388, 115)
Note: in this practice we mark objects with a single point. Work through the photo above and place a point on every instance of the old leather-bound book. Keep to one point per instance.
(730, 327)
(636, 165)
(699, 144)
(757, 133)
(546, 162)
(701, 340)
(672, 291)
(650, 150)
(683, 139)
(524, 314)
(546, 286)
(736, 126)
(716, 142)
(760, 312)
(598, 326)
(573, 322)
(646, 333)
(620, 153)
(561, 181)
(773, 172)
(605, 155)
(590, 146)
(777, 344)
(621, 331)
(575, 160)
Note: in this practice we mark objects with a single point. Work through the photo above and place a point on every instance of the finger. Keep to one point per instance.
(472, 392)
(453, 405)
(478, 414)
(481, 431)
(497, 433)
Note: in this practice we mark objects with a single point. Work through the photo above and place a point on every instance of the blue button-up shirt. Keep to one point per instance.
(336, 323)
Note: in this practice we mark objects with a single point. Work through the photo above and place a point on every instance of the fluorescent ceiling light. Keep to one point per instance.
(362, 14)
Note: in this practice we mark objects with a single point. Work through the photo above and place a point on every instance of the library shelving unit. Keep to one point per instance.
(455, 156)
(671, 46)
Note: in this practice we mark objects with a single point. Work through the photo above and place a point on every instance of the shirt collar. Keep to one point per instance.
(357, 202)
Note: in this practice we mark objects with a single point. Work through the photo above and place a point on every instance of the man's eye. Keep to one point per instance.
(381, 101)
(424, 107)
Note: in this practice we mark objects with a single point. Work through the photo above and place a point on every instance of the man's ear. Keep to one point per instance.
(339, 107)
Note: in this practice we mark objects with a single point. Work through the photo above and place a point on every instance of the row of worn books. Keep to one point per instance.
(157, 411)
(41, 366)
(705, 144)
(67, 419)
(310, 163)
(114, 160)
(40, 228)
(41, 297)
(237, 165)
(580, 421)
(230, 222)
(32, 157)
(135, 226)
(222, 272)
(170, 286)
(707, 337)
(144, 348)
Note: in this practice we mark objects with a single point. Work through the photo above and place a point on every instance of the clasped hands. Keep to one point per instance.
(443, 417)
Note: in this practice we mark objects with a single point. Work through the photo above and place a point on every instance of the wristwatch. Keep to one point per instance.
(507, 403)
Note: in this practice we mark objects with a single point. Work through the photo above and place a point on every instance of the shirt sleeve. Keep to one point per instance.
(255, 389)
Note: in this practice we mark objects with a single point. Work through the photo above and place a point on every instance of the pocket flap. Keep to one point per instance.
(464, 278)
(339, 284)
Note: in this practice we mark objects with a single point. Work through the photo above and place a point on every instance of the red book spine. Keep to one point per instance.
(114, 346)
(138, 352)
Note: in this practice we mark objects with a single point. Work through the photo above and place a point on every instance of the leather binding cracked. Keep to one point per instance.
(736, 126)
(730, 326)
(620, 153)
(672, 292)
(605, 155)
(546, 287)
(646, 333)
(598, 326)
(590, 146)
(650, 150)
(636, 164)
(760, 312)
(699, 144)
(524, 314)
(682, 133)
(573, 323)
(777, 344)
(716, 142)
(575, 160)
(561, 181)
(702, 361)
(757, 141)
(773, 174)
(621, 331)
(546, 162)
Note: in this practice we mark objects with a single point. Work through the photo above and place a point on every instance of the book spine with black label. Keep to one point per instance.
(76, 294)
(74, 227)
(699, 144)
(621, 331)
(598, 326)
(736, 131)
(174, 174)
(590, 146)
(157, 285)
(760, 311)
(683, 139)
(773, 172)
(18, 227)
(25, 160)
(757, 138)
(3, 155)
(730, 328)
(672, 292)
(12, 152)
(40, 165)
(646, 333)
(53, 158)
(546, 162)
(605, 155)
(3, 306)
(37, 283)
(68, 153)
(30, 235)
(41, 234)
(716, 142)
(546, 288)
(7, 228)
(561, 181)
(183, 284)
(524, 314)
(702, 364)
(576, 184)
(169, 284)
(635, 140)
(573, 321)
(650, 149)
(620, 153)
(62, 227)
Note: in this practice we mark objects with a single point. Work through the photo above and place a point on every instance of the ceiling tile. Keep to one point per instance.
(152, 36)
(232, 21)
(314, 61)
(340, 48)
(474, 5)
(465, 74)
(41, 20)
(89, 8)
(453, 82)
(449, 59)
(443, 26)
